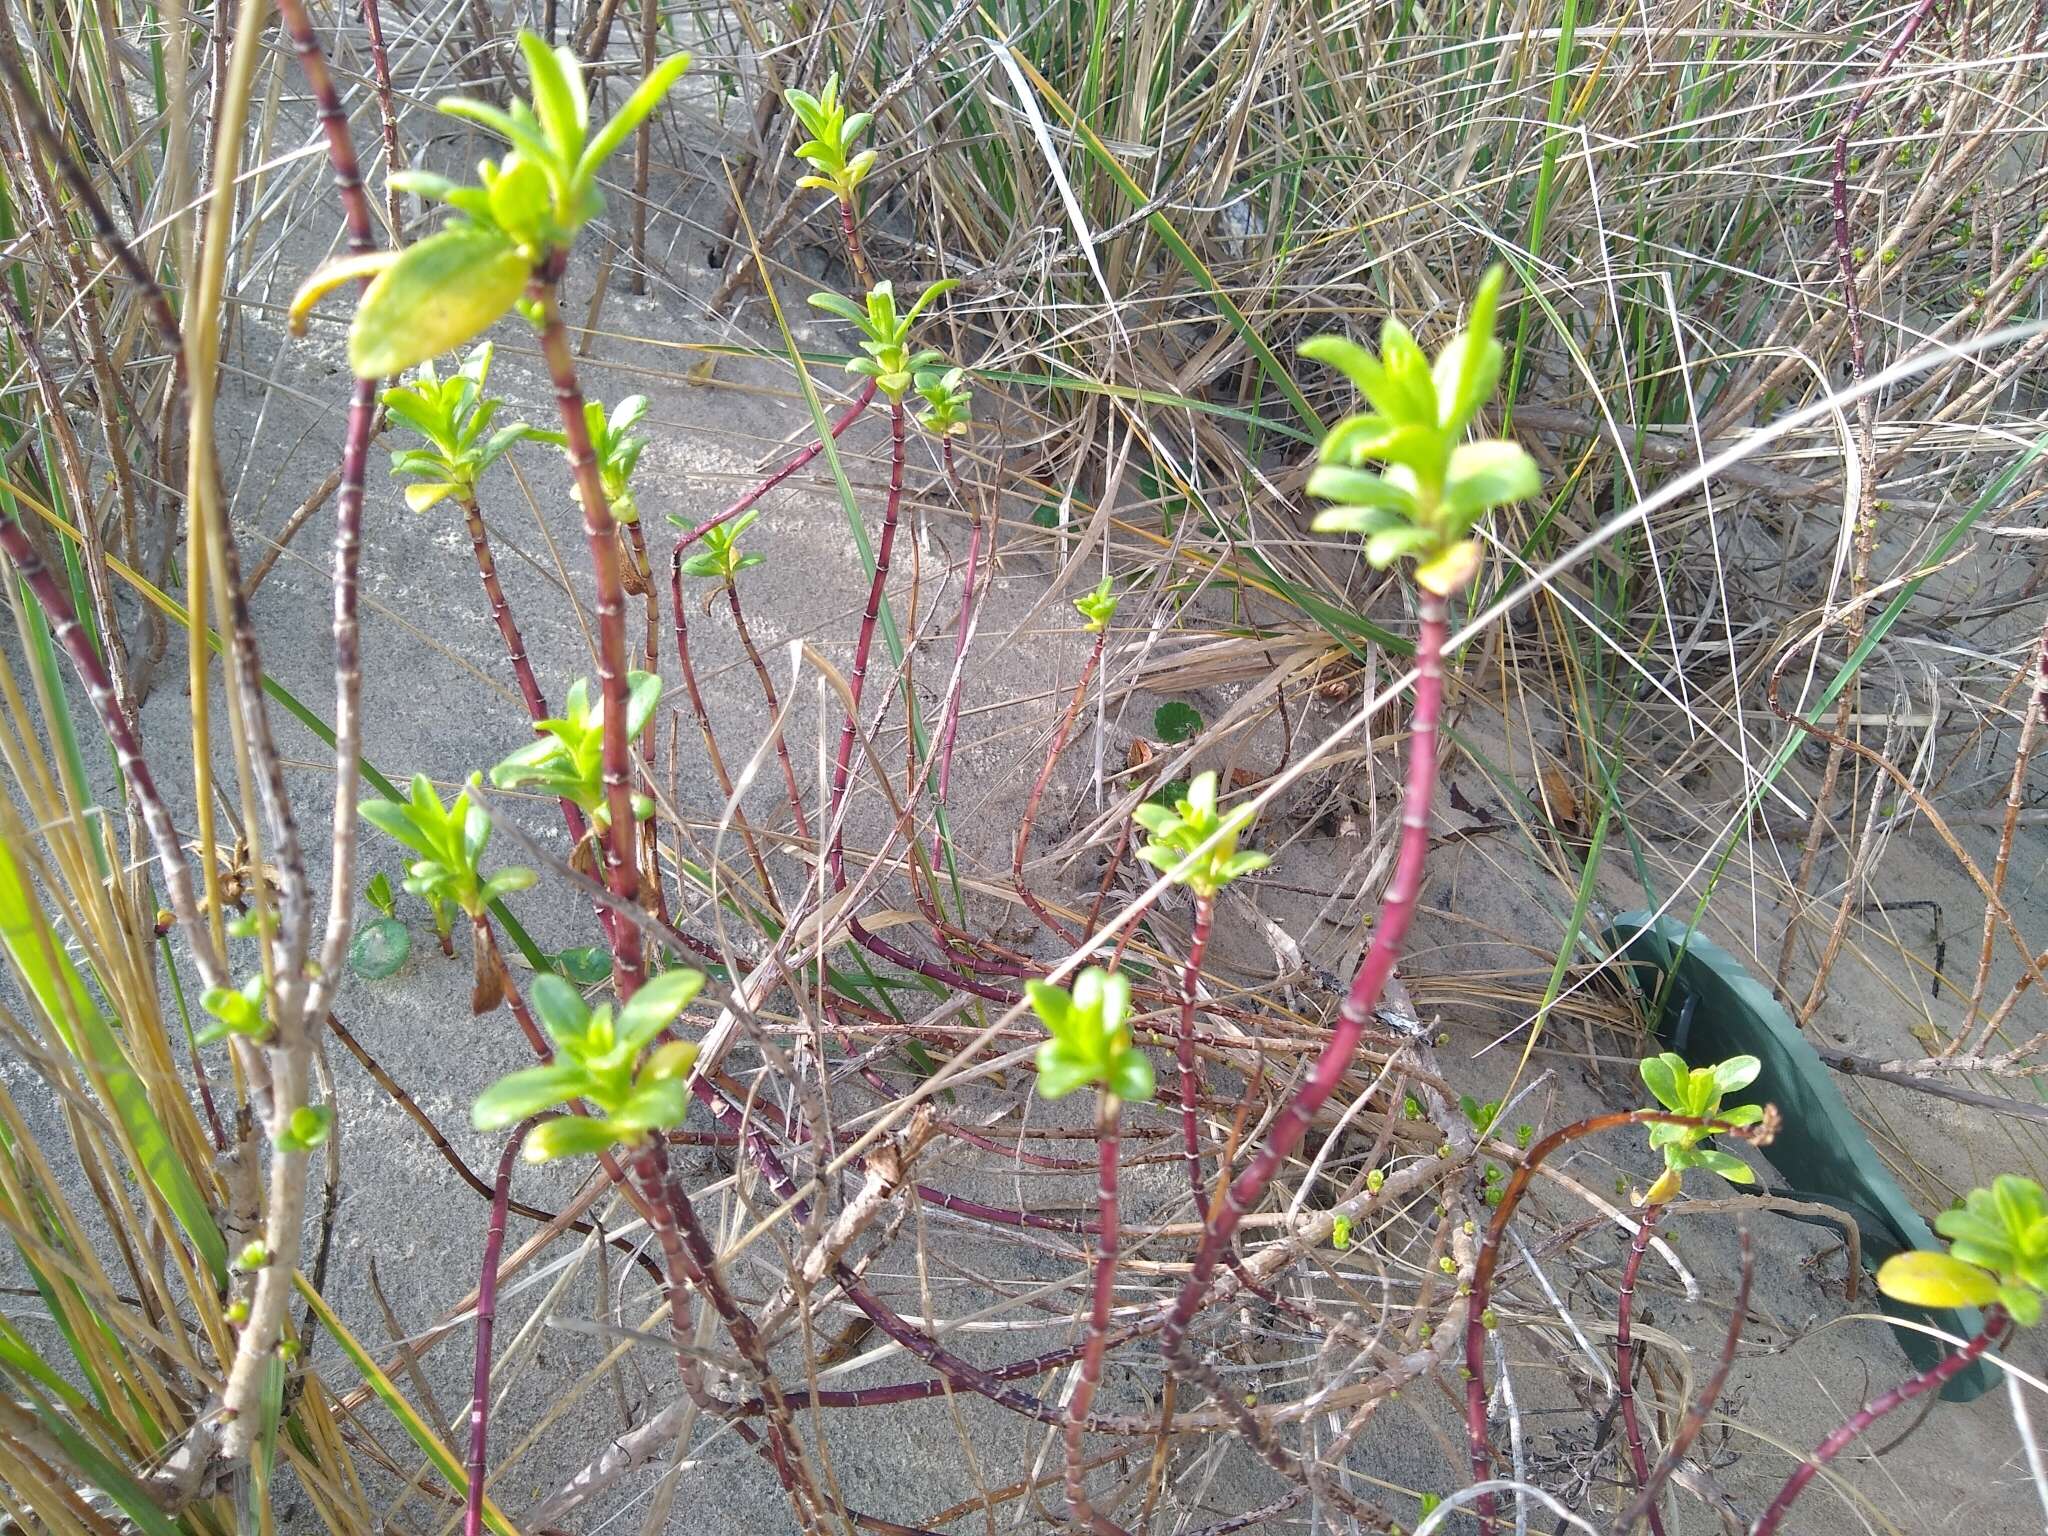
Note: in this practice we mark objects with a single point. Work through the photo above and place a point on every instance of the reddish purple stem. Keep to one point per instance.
(768, 697)
(949, 722)
(1397, 911)
(1057, 745)
(1917, 1386)
(99, 688)
(486, 1319)
(850, 230)
(846, 419)
(1477, 1445)
(842, 764)
(515, 642)
(842, 761)
(622, 865)
(687, 1254)
(380, 68)
(1625, 1355)
(960, 1374)
(1184, 1051)
(1838, 186)
(1101, 1303)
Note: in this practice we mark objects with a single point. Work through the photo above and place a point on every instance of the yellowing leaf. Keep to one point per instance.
(436, 296)
(1449, 571)
(421, 497)
(329, 276)
(1923, 1278)
(1665, 1187)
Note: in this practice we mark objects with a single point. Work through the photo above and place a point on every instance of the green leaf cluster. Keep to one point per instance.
(721, 559)
(450, 842)
(1096, 607)
(1479, 1115)
(1997, 1251)
(567, 761)
(1176, 834)
(948, 403)
(1434, 486)
(235, 1011)
(436, 295)
(1091, 1037)
(614, 446)
(885, 334)
(452, 415)
(603, 1061)
(1697, 1093)
(828, 151)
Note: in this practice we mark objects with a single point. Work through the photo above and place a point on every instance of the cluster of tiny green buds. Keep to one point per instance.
(1435, 486)
(1376, 1180)
(308, 1128)
(948, 403)
(1696, 1092)
(885, 335)
(635, 1091)
(828, 151)
(1479, 1116)
(1091, 1037)
(1997, 1251)
(567, 761)
(235, 1011)
(438, 293)
(254, 1255)
(1340, 1232)
(252, 925)
(1097, 607)
(721, 559)
(452, 416)
(1194, 845)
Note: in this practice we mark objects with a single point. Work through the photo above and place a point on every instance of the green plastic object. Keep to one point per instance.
(1712, 1008)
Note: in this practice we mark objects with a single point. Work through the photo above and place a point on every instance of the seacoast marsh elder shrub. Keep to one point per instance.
(770, 1041)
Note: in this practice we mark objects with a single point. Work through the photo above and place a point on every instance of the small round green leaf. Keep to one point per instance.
(1736, 1073)
(379, 948)
(1175, 721)
(586, 965)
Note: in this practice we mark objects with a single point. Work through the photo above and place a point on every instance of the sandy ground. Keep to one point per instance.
(437, 701)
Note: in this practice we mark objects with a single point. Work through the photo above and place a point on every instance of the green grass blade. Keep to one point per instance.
(444, 1461)
(107, 1475)
(44, 967)
(1171, 238)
